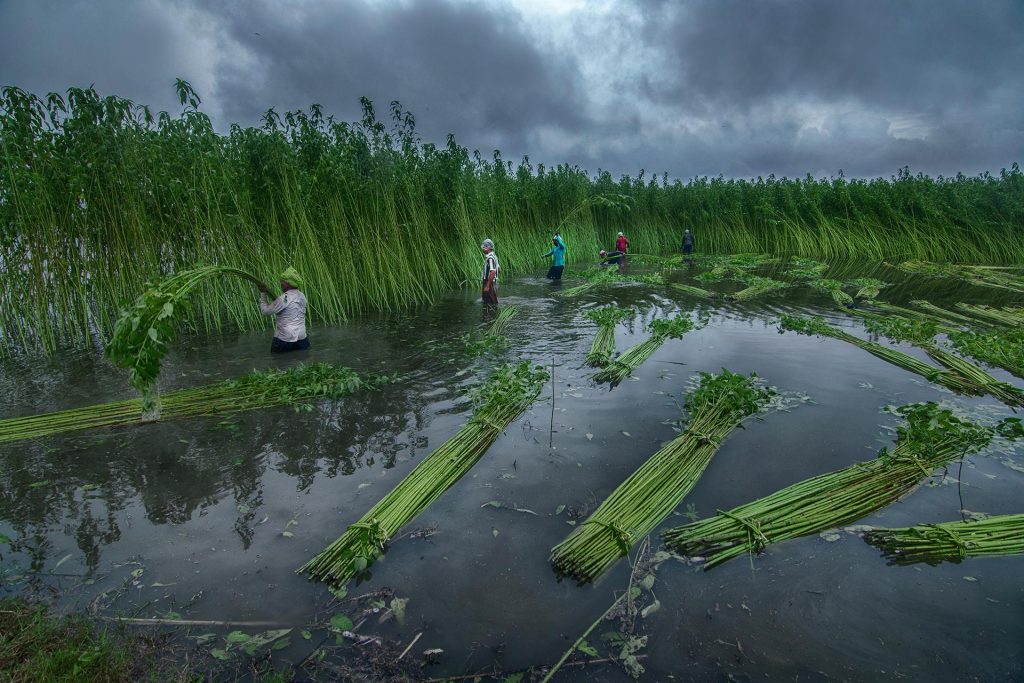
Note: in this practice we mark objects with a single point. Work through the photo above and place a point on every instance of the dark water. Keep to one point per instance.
(202, 506)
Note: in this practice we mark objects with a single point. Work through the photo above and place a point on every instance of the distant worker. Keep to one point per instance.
(490, 273)
(621, 243)
(687, 243)
(290, 312)
(558, 263)
(611, 258)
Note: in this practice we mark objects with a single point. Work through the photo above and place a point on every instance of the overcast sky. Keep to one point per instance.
(703, 87)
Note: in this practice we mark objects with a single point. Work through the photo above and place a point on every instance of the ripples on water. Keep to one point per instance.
(202, 505)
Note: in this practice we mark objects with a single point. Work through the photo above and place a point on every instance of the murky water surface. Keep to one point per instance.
(207, 519)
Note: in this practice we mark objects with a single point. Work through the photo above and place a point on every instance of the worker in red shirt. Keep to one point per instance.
(621, 243)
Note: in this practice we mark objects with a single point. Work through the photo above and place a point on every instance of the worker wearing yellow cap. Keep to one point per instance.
(289, 310)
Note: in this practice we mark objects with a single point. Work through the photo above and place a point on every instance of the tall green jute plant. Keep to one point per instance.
(715, 407)
(500, 401)
(603, 346)
(661, 330)
(1006, 316)
(931, 438)
(143, 332)
(959, 376)
(950, 541)
(300, 386)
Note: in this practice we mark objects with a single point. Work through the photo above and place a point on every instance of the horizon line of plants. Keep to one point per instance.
(102, 195)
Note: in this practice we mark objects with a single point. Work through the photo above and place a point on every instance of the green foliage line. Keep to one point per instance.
(102, 195)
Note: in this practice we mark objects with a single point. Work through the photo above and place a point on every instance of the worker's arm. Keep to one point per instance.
(275, 306)
(548, 254)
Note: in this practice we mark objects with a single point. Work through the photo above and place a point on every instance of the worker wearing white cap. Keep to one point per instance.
(489, 276)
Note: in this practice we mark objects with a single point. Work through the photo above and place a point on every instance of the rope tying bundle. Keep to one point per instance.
(757, 538)
(374, 532)
(622, 537)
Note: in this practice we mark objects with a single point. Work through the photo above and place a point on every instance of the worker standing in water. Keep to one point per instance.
(621, 243)
(558, 262)
(489, 276)
(289, 311)
(687, 242)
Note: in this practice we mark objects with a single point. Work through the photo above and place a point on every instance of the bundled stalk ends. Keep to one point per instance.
(298, 386)
(930, 439)
(143, 332)
(661, 330)
(716, 406)
(950, 541)
(499, 402)
(603, 347)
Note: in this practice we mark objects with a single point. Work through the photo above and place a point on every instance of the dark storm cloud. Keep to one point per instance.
(868, 85)
(465, 68)
(702, 87)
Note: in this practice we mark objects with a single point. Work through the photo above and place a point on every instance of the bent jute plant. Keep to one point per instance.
(143, 332)
(959, 375)
(718, 405)
(298, 386)
(632, 358)
(931, 438)
(499, 402)
(603, 346)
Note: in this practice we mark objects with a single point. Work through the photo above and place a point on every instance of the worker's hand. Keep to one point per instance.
(263, 289)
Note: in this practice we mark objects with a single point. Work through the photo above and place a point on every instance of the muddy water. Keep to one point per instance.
(207, 519)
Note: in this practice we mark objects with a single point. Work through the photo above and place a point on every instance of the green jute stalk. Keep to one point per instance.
(661, 330)
(833, 287)
(959, 376)
(499, 326)
(499, 402)
(950, 541)
(944, 314)
(692, 291)
(143, 332)
(603, 347)
(921, 334)
(1000, 348)
(297, 386)
(756, 286)
(598, 277)
(868, 287)
(1006, 316)
(977, 275)
(716, 407)
(931, 438)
